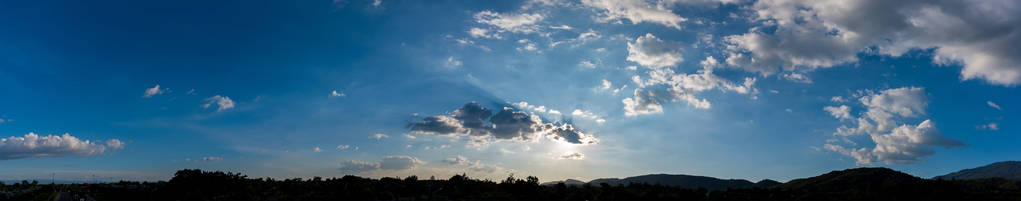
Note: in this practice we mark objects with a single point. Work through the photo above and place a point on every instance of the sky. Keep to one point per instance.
(558, 89)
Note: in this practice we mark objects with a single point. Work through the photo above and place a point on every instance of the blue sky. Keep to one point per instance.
(557, 89)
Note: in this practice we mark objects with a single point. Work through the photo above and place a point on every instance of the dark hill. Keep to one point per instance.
(683, 181)
(569, 182)
(869, 179)
(1006, 169)
(766, 183)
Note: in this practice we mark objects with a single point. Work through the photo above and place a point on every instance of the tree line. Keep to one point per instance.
(193, 184)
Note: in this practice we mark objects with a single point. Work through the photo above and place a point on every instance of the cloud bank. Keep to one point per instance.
(35, 146)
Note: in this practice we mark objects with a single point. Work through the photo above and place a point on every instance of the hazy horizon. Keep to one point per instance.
(557, 89)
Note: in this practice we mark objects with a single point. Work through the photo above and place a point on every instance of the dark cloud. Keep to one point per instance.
(510, 124)
(507, 124)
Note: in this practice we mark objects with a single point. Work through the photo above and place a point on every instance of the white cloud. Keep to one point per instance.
(842, 112)
(838, 99)
(797, 77)
(529, 45)
(561, 27)
(517, 23)
(587, 115)
(709, 62)
(222, 102)
(114, 144)
(317, 149)
(452, 63)
(334, 93)
(377, 3)
(537, 108)
(476, 32)
(153, 91)
(810, 34)
(590, 34)
(652, 52)
(410, 137)
(606, 85)
(572, 156)
(635, 11)
(587, 64)
(895, 142)
(993, 105)
(343, 146)
(680, 87)
(35, 146)
(378, 136)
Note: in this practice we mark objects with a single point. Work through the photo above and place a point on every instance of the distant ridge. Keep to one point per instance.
(858, 178)
(683, 181)
(1005, 169)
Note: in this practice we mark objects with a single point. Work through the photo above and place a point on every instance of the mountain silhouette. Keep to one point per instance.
(858, 178)
(682, 181)
(1006, 169)
(569, 182)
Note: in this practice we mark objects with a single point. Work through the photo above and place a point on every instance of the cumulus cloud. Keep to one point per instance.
(606, 85)
(652, 52)
(387, 163)
(480, 123)
(115, 144)
(680, 87)
(635, 11)
(317, 149)
(222, 102)
(895, 142)
(153, 91)
(643, 102)
(993, 105)
(476, 32)
(808, 34)
(842, 112)
(343, 146)
(35, 146)
(517, 23)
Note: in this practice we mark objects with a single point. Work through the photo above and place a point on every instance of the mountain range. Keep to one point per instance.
(832, 181)
(1006, 169)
